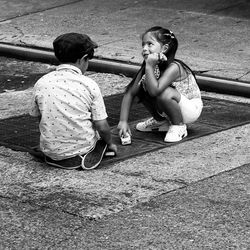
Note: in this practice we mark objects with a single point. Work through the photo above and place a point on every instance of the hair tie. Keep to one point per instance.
(171, 34)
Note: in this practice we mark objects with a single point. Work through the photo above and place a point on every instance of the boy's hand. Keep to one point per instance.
(112, 147)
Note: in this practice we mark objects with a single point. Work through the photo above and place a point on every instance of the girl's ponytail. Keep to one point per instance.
(141, 71)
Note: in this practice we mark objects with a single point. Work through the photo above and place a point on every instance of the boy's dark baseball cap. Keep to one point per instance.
(71, 46)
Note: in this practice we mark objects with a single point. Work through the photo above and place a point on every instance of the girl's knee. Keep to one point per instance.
(169, 94)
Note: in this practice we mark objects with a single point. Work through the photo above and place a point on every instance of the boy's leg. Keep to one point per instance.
(88, 161)
(37, 153)
(70, 163)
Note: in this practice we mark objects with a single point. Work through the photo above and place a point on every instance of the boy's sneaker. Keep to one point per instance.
(176, 133)
(93, 158)
(152, 125)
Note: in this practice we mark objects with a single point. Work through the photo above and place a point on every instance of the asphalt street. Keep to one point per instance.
(194, 195)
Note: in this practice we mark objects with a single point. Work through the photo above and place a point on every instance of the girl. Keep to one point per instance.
(166, 86)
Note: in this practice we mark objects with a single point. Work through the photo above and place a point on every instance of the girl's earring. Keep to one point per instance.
(162, 57)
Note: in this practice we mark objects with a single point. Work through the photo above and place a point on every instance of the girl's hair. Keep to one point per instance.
(166, 36)
(163, 36)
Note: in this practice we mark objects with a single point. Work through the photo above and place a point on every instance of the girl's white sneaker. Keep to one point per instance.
(176, 133)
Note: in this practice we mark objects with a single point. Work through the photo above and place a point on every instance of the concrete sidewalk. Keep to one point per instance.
(194, 195)
(213, 37)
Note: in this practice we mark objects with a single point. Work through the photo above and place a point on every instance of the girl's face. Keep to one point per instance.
(150, 45)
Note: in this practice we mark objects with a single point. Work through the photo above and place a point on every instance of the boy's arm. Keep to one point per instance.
(103, 129)
(34, 109)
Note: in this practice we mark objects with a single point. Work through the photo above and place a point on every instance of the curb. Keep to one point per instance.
(207, 83)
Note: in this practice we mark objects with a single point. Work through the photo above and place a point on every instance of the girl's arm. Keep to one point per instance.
(156, 87)
(126, 105)
(127, 101)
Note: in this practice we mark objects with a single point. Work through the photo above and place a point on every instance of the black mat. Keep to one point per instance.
(20, 133)
(17, 82)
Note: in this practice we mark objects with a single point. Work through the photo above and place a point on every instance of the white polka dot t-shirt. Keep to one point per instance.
(67, 102)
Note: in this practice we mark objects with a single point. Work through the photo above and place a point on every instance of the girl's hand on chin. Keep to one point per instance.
(152, 59)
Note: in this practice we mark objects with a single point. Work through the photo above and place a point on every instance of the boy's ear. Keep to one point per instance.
(165, 48)
(85, 57)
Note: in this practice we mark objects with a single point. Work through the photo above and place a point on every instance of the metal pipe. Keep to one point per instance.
(207, 83)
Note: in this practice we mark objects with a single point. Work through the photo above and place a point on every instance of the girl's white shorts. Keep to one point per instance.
(190, 109)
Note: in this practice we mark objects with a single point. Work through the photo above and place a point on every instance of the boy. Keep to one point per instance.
(71, 108)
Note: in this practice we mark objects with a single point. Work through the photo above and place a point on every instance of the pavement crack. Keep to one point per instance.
(114, 41)
(38, 11)
(69, 213)
(225, 8)
(248, 72)
(134, 174)
(19, 30)
(141, 175)
(175, 181)
(6, 197)
(40, 207)
(201, 71)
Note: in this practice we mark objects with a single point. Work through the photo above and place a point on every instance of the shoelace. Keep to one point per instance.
(172, 130)
(149, 122)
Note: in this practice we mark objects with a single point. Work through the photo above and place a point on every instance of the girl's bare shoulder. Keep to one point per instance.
(172, 70)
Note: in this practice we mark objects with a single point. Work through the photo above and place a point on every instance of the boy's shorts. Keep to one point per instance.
(190, 109)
